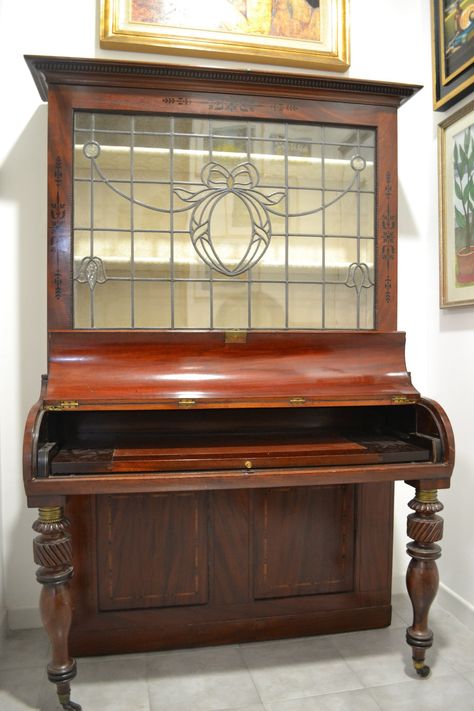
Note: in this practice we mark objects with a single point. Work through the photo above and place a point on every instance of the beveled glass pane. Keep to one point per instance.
(112, 305)
(338, 171)
(114, 163)
(191, 305)
(264, 130)
(305, 306)
(110, 139)
(341, 214)
(82, 244)
(112, 122)
(228, 147)
(268, 305)
(338, 255)
(305, 258)
(367, 254)
(230, 305)
(341, 135)
(270, 165)
(273, 263)
(151, 255)
(152, 304)
(187, 263)
(304, 165)
(367, 215)
(82, 119)
(82, 204)
(82, 305)
(185, 124)
(114, 249)
(152, 124)
(151, 157)
(82, 165)
(367, 308)
(110, 209)
(340, 306)
(300, 132)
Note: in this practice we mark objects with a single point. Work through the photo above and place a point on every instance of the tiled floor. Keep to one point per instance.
(361, 671)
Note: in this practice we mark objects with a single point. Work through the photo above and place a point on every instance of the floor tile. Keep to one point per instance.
(24, 649)
(401, 605)
(359, 700)
(454, 641)
(209, 679)
(470, 675)
(104, 686)
(435, 694)
(20, 689)
(297, 668)
(397, 621)
(383, 656)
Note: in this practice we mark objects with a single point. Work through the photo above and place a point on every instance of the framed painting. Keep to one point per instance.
(453, 51)
(306, 33)
(456, 207)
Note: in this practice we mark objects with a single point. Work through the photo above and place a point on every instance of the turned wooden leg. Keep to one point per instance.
(424, 527)
(52, 552)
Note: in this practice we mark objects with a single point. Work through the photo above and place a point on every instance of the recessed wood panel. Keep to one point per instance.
(152, 550)
(303, 541)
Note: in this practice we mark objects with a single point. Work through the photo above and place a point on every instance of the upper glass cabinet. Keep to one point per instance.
(184, 222)
(187, 198)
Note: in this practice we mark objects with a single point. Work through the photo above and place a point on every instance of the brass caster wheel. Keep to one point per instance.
(71, 706)
(422, 669)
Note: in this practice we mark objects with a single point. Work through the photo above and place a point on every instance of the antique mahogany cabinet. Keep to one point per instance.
(227, 405)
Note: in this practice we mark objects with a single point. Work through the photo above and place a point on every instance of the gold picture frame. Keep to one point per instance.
(452, 34)
(456, 208)
(315, 35)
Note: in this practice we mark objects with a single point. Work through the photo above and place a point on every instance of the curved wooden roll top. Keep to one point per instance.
(119, 369)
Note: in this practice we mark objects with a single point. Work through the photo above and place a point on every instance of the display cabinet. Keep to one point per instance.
(227, 404)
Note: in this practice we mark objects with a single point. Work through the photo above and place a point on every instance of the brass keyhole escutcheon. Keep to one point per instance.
(248, 464)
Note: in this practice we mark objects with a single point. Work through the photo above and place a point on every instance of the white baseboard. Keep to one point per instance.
(446, 598)
(3, 627)
(461, 609)
(456, 605)
(24, 618)
(399, 586)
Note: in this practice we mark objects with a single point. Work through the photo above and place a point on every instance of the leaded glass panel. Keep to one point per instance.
(184, 222)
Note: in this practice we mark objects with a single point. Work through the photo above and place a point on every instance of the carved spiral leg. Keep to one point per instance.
(52, 552)
(424, 527)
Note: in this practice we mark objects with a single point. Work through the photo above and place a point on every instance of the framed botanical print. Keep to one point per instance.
(307, 33)
(456, 207)
(453, 51)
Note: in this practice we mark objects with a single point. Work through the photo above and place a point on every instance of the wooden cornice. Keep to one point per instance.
(47, 71)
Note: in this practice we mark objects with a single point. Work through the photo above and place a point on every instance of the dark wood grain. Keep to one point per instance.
(159, 369)
(164, 539)
(239, 522)
(303, 541)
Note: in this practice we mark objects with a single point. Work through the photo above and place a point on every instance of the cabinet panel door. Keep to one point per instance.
(303, 541)
(152, 550)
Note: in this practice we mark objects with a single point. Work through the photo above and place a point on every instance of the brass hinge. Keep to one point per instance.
(402, 400)
(63, 405)
(297, 400)
(236, 336)
(186, 402)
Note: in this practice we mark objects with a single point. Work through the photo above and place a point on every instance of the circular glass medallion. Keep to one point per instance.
(358, 163)
(91, 149)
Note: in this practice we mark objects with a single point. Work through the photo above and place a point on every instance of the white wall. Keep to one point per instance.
(440, 344)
